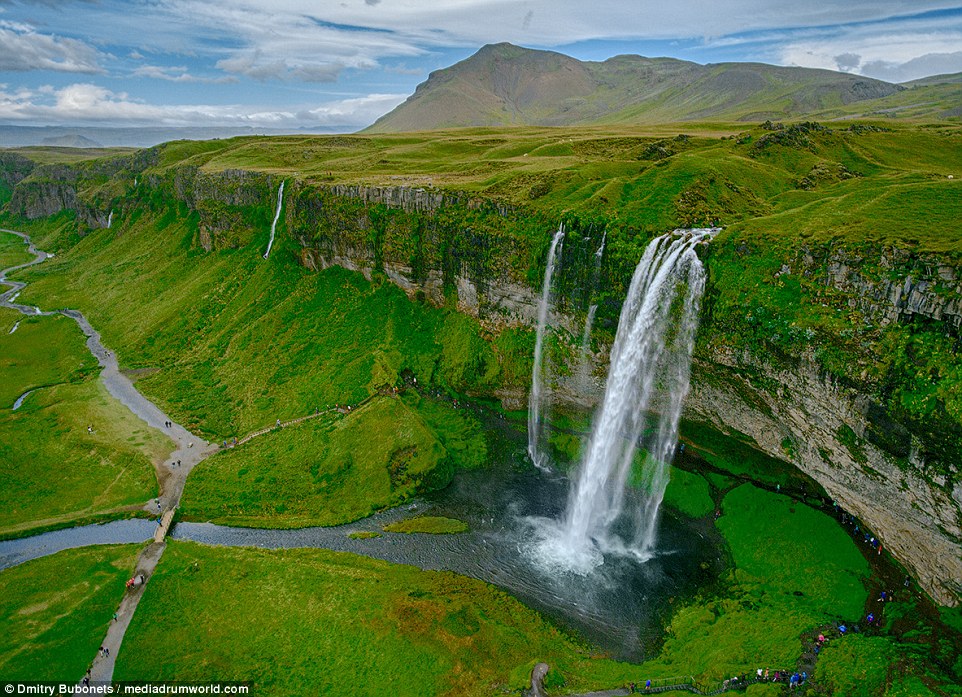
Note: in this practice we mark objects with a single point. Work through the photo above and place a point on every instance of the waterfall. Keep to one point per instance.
(647, 383)
(535, 425)
(277, 215)
(584, 359)
(110, 219)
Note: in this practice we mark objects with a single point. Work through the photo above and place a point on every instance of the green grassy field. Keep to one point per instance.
(55, 611)
(56, 471)
(42, 351)
(338, 624)
(12, 251)
(335, 469)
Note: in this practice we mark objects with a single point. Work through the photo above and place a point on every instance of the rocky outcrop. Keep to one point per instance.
(40, 198)
(891, 285)
(14, 168)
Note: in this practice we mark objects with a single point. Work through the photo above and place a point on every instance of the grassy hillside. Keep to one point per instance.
(337, 468)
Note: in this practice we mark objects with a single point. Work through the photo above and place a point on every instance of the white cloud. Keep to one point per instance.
(922, 66)
(85, 103)
(23, 49)
(363, 110)
(893, 56)
(177, 73)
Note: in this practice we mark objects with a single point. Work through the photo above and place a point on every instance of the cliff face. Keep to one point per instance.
(898, 474)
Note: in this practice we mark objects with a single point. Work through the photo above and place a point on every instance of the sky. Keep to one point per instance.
(332, 65)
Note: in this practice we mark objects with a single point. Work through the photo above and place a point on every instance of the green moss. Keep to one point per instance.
(735, 454)
(768, 533)
(846, 436)
(689, 493)
(364, 535)
(857, 665)
(55, 611)
(433, 525)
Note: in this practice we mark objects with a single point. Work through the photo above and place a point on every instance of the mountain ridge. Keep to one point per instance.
(507, 85)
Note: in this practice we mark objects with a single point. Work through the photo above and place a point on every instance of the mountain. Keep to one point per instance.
(71, 140)
(506, 85)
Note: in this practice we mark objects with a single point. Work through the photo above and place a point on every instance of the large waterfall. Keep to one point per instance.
(277, 215)
(647, 383)
(538, 377)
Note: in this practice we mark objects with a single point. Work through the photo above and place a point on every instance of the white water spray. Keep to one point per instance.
(535, 418)
(110, 219)
(649, 374)
(277, 215)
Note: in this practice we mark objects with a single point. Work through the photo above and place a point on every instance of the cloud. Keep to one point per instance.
(895, 56)
(23, 49)
(363, 110)
(848, 61)
(177, 74)
(85, 103)
(923, 66)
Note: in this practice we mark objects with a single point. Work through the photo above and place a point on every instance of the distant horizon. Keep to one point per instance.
(296, 67)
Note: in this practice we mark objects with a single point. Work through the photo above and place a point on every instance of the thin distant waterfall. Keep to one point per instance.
(584, 363)
(277, 215)
(584, 359)
(647, 383)
(535, 406)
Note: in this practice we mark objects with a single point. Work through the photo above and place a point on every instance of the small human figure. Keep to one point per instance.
(648, 684)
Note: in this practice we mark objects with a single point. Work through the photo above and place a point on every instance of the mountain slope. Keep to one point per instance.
(506, 85)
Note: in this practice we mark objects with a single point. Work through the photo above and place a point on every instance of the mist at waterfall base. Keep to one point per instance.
(605, 519)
